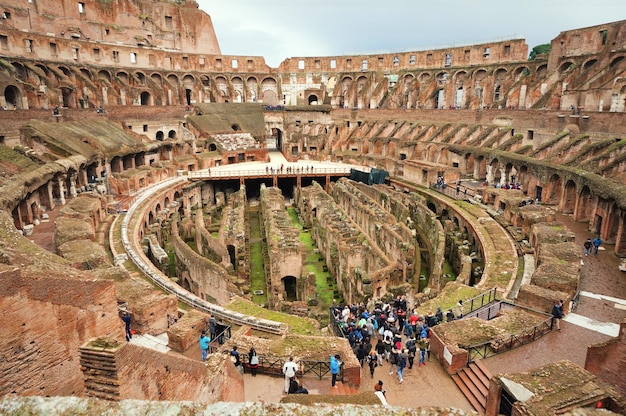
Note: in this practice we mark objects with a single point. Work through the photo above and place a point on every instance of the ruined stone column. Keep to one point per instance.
(72, 180)
(61, 182)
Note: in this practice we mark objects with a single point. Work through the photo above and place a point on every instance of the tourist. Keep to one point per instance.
(335, 364)
(557, 314)
(596, 244)
(438, 316)
(449, 315)
(411, 350)
(393, 360)
(379, 387)
(300, 389)
(380, 351)
(289, 370)
(127, 330)
(236, 359)
(459, 309)
(204, 345)
(422, 343)
(360, 354)
(372, 362)
(401, 365)
(587, 246)
(253, 361)
(212, 328)
(293, 386)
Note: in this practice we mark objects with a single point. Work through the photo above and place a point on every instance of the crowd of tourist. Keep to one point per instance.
(401, 334)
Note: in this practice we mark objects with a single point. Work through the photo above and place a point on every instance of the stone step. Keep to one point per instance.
(343, 389)
(483, 369)
(479, 374)
(468, 394)
(474, 385)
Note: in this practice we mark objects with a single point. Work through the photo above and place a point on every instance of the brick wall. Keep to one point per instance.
(458, 356)
(607, 360)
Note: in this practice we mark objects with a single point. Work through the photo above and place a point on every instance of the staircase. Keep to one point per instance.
(473, 381)
(343, 389)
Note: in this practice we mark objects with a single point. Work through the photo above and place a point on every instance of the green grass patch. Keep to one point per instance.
(297, 325)
(257, 262)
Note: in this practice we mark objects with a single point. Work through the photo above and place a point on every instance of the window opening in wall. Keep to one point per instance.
(358, 123)
(429, 58)
(234, 64)
(185, 61)
(531, 134)
(412, 60)
(317, 64)
(348, 62)
(75, 52)
(396, 61)
(151, 59)
(512, 132)
(29, 45)
(455, 164)
(507, 50)
(448, 60)
(294, 150)
(96, 54)
(467, 54)
(364, 65)
(4, 42)
(486, 53)
(250, 64)
(603, 35)
(2, 140)
(133, 58)
(333, 64)
(53, 49)
(145, 128)
(241, 157)
(6, 15)
(168, 22)
(381, 61)
(301, 64)
(106, 31)
(116, 56)
(218, 63)
(81, 7)
(402, 156)
(201, 61)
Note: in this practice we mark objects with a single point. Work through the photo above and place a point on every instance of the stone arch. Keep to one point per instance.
(68, 97)
(44, 69)
(86, 73)
(13, 96)
(584, 205)
(189, 83)
(160, 136)
(313, 100)
(171, 134)
(238, 88)
(104, 74)
(141, 77)
(123, 77)
(542, 70)
(554, 189)
(565, 67)
(500, 74)
(146, 98)
(66, 71)
(20, 71)
(431, 206)
(479, 75)
(157, 79)
(424, 77)
(205, 81)
(569, 198)
(378, 148)
(589, 64)
(253, 87)
(520, 71)
(615, 61)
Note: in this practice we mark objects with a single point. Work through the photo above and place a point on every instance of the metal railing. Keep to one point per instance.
(216, 173)
(480, 301)
(493, 347)
(338, 326)
(274, 366)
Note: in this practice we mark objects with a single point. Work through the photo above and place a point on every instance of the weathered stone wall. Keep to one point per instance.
(198, 274)
(607, 360)
(46, 319)
(185, 333)
(146, 374)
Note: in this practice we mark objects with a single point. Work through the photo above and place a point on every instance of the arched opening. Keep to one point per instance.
(145, 98)
(232, 256)
(159, 135)
(68, 97)
(12, 97)
(171, 134)
(212, 147)
(188, 96)
(313, 99)
(289, 285)
(569, 200)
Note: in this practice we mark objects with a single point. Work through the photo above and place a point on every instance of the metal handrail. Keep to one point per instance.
(274, 366)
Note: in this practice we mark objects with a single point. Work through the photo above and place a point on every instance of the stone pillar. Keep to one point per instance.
(489, 175)
(503, 176)
(123, 97)
(61, 182)
(105, 96)
(72, 180)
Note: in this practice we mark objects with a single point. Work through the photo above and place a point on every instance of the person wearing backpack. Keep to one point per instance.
(372, 362)
(412, 350)
(393, 357)
(401, 364)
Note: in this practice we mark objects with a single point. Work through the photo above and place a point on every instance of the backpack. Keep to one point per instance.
(401, 362)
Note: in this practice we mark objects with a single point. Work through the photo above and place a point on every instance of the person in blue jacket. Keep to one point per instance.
(204, 345)
(334, 368)
(596, 243)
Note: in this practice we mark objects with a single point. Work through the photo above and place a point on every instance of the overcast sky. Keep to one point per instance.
(280, 29)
